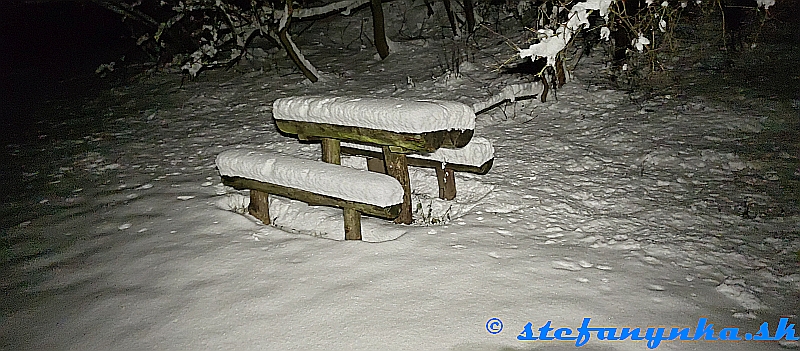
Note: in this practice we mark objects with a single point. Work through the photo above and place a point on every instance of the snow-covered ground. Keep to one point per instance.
(626, 209)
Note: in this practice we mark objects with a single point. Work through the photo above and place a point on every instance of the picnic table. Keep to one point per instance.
(396, 126)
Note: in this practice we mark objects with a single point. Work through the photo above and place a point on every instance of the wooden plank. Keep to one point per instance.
(331, 151)
(421, 162)
(397, 167)
(310, 198)
(352, 224)
(259, 205)
(410, 142)
(361, 152)
(483, 169)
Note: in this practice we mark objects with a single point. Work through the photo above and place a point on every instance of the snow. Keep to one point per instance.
(766, 4)
(634, 210)
(312, 176)
(553, 42)
(401, 116)
(549, 45)
(478, 151)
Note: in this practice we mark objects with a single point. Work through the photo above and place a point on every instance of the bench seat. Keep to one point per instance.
(476, 157)
(314, 182)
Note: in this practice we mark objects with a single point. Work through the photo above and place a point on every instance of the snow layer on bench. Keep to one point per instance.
(313, 176)
(401, 116)
(476, 153)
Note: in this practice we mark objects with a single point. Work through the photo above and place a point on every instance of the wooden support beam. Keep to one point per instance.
(259, 205)
(331, 152)
(397, 167)
(352, 224)
(310, 198)
(447, 183)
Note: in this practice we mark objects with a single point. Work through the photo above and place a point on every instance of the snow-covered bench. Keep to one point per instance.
(314, 182)
(475, 157)
(396, 126)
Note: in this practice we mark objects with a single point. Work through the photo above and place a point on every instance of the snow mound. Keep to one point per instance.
(401, 116)
(312, 176)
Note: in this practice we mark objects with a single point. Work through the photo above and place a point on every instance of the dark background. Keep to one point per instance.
(50, 51)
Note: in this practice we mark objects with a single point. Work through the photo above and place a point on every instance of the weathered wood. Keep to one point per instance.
(331, 151)
(259, 205)
(445, 174)
(378, 28)
(455, 139)
(310, 198)
(483, 169)
(419, 142)
(375, 164)
(397, 167)
(447, 183)
(352, 224)
(420, 162)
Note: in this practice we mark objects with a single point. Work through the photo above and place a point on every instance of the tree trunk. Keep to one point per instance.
(379, 30)
(469, 13)
(450, 16)
(294, 53)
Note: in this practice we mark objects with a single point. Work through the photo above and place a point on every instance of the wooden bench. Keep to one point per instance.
(316, 183)
(475, 157)
(396, 126)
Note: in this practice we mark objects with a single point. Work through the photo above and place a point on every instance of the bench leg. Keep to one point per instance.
(259, 205)
(447, 183)
(352, 224)
(331, 151)
(397, 167)
(376, 165)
